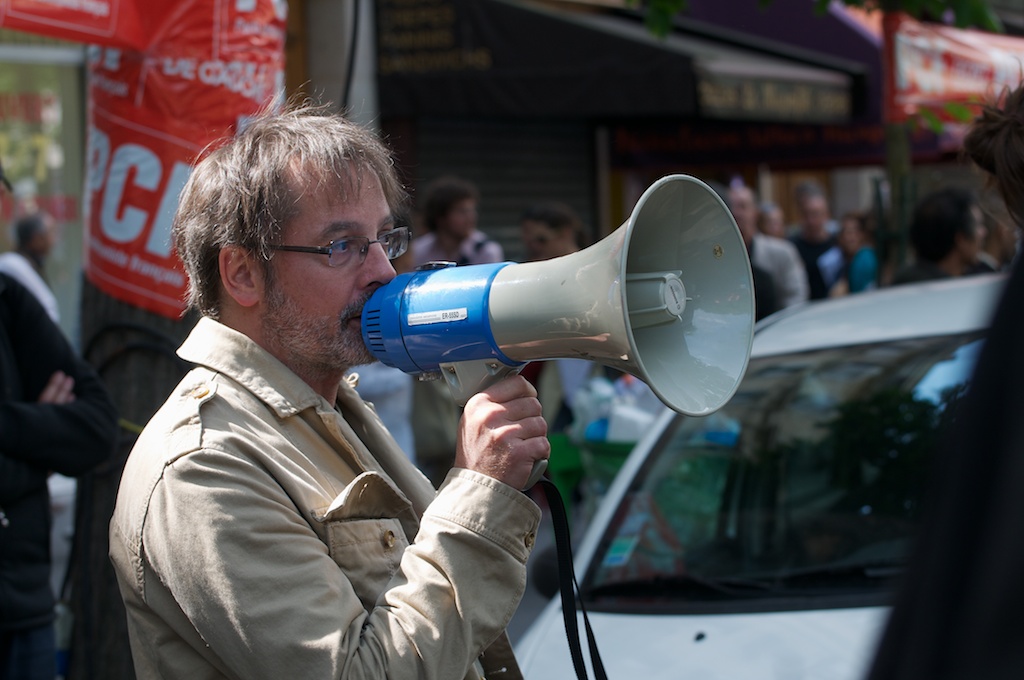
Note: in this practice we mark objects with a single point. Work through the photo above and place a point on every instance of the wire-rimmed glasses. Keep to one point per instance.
(354, 248)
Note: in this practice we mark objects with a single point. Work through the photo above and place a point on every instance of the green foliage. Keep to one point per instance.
(883, 445)
(930, 120)
(958, 112)
(935, 120)
(660, 14)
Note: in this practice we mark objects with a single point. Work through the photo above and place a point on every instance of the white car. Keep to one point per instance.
(763, 541)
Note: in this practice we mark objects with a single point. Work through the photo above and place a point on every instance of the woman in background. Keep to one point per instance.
(860, 264)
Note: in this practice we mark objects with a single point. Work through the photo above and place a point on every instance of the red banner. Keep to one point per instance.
(166, 80)
(106, 22)
(932, 66)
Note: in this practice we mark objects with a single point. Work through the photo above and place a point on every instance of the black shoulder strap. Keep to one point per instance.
(569, 588)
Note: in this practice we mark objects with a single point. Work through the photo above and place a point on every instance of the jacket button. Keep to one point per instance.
(389, 539)
(200, 391)
(531, 538)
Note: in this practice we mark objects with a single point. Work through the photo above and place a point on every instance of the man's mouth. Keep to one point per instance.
(356, 314)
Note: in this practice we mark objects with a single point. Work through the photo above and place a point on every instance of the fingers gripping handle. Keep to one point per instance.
(466, 378)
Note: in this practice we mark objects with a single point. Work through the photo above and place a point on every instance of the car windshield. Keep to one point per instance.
(808, 483)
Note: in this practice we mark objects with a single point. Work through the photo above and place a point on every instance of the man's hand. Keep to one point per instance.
(501, 433)
(59, 390)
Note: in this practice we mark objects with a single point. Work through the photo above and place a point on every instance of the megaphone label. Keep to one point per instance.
(439, 316)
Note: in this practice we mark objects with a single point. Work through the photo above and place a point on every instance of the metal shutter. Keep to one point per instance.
(514, 164)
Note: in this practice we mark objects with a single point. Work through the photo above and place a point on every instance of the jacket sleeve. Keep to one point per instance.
(18, 479)
(68, 438)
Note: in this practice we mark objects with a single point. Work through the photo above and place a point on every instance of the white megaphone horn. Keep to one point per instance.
(667, 297)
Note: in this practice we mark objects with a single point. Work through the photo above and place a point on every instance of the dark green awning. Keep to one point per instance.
(502, 58)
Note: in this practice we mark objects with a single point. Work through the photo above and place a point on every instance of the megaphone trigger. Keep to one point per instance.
(466, 378)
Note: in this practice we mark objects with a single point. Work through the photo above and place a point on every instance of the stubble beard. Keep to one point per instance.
(318, 345)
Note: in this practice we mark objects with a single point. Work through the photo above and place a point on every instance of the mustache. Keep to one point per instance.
(355, 310)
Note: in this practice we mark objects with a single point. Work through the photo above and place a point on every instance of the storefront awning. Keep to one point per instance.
(502, 58)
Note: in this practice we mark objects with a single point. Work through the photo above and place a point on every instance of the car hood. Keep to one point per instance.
(837, 644)
(882, 315)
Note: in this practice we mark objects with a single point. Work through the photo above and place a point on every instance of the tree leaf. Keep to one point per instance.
(959, 112)
(931, 120)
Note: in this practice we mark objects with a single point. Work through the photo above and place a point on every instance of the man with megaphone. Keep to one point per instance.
(267, 525)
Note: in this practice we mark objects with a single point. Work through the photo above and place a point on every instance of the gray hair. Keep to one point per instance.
(245, 191)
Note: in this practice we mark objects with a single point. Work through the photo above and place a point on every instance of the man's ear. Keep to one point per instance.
(241, 275)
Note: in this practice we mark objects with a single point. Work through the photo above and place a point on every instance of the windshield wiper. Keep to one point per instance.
(828, 576)
(680, 585)
(869, 571)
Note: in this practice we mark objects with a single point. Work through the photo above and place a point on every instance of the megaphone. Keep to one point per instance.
(667, 297)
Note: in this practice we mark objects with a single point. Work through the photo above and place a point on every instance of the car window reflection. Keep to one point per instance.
(808, 482)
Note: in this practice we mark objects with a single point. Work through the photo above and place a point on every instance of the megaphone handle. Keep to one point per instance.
(539, 467)
(466, 378)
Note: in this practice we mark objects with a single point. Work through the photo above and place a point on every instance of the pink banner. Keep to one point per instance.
(933, 66)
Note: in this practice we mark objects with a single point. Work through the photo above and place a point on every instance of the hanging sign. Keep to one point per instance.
(941, 69)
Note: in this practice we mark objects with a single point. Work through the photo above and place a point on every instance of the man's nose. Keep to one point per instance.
(377, 264)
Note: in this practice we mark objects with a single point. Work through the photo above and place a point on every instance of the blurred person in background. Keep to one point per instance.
(774, 259)
(55, 416)
(860, 263)
(449, 209)
(946, 232)
(550, 229)
(814, 239)
(35, 235)
(771, 221)
(43, 433)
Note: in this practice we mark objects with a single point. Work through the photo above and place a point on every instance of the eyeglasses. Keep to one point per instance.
(344, 251)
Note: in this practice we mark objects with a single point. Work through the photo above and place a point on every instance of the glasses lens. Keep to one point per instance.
(395, 242)
(344, 250)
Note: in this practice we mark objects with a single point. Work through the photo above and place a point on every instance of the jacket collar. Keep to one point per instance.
(223, 349)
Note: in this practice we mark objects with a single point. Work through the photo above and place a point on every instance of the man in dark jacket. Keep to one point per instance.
(55, 416)
(946, 231)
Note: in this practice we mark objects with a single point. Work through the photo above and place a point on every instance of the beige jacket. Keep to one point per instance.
(255, 536)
